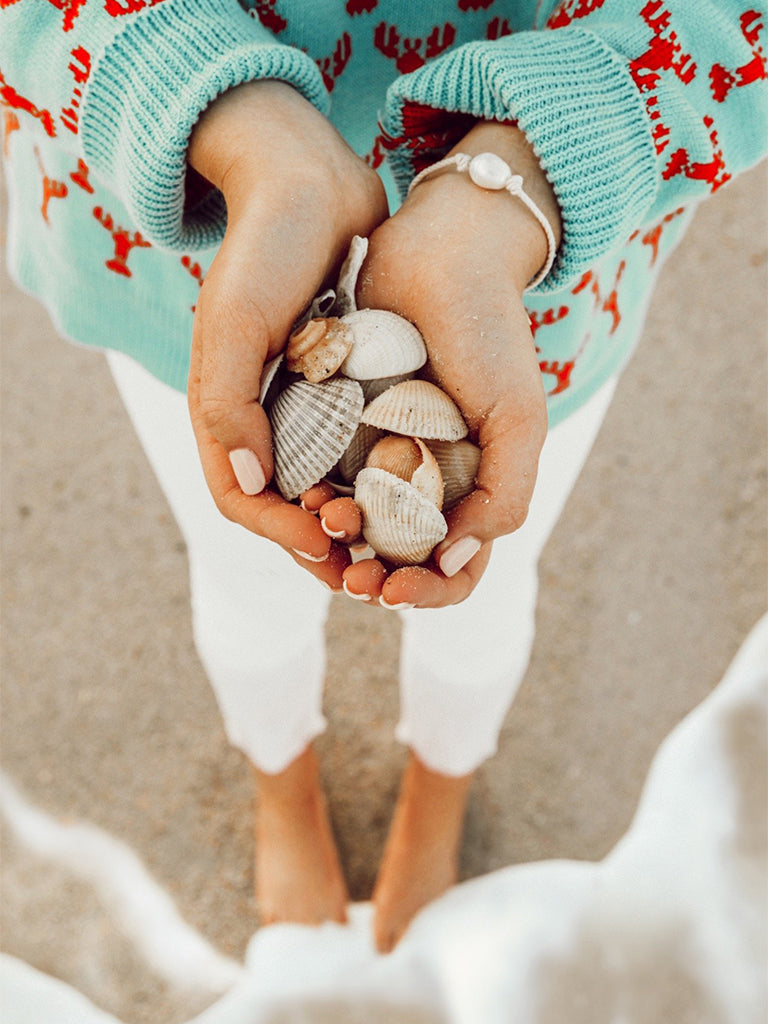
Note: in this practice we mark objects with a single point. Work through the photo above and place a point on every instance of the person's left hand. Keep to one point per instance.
(455, 260)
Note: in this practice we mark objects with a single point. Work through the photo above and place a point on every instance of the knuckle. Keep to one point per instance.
(513, 517)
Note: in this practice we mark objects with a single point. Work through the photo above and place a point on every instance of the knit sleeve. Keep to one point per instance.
(123, 82)
(634, 109)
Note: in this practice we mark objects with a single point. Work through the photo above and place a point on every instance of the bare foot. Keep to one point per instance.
(298, 873)
(421, 856)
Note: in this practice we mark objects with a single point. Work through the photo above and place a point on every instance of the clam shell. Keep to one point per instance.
(418, 409)
(269, 385)
(411, 460)
(458, 462)
(318, 348)
(349, 273)
(353, 459)
(398, 521)
(312, 425)
(385, 344)
(373, 388)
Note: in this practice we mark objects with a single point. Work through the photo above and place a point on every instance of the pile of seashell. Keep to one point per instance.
(345, 406)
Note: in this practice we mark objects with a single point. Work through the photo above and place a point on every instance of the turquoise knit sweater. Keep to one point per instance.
(636, 108)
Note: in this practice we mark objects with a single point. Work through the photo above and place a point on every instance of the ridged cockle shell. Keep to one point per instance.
(458, 462)
(312, 425)
(353, 459)
(411, 460)
(418, 409)
(318, 348)
(398, 521)
(385, 344)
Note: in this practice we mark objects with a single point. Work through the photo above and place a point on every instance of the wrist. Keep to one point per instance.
(529, 220)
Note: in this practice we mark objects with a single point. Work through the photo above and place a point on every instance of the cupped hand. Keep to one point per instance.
(455, 260)
(295, 195)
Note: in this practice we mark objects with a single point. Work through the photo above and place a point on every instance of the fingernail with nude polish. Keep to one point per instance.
(311, 558)
(403, 606)
(248, 471)
(458, 554)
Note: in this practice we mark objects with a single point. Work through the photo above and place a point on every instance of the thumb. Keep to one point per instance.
(509, 416)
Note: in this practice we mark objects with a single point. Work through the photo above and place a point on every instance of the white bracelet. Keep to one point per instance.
(491, 172)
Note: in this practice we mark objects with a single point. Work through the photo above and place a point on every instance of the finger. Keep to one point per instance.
(266, 514)
(363, 580)
(313, 499)
(341, 519)
(330, 572)
(417, 586)
(504, 483)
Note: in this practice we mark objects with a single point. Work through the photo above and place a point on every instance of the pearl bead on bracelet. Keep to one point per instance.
(489, 171)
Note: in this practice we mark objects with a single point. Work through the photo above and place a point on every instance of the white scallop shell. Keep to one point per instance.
(385, 344)
(398, 521)
(418, 409)
(353, 459)
(312, 425)
(458, 462)
(411, 460)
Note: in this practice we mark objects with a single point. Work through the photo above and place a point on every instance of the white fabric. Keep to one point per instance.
(259, 619)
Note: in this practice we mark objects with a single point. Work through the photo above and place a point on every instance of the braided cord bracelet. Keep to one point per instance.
(489, 171)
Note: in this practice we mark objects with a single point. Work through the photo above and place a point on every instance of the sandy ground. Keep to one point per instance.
(653, 577)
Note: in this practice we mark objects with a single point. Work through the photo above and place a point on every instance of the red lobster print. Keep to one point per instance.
(331, 67)
(713, 171)
(71, 9)
(124, 241)
(474, 5)
(721, 80)
(410, 54)
(268, 16)
(498, 27)
(195, 271)
(10, 124)
(80, 176)
(561, 372)
(10, 98)
(354, 7)
(664, 53)
(653, 236)
(571, 10)
(80, 66)
(609, 304)
(52, 189)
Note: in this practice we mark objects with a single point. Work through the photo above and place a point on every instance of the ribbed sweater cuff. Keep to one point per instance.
(575, 100)
(148, 90)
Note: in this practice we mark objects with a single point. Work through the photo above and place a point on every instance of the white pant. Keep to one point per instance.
(259, 619)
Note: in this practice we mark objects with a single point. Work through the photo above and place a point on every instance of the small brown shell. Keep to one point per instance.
(411, 460)
(416, 408)
(398, 521)
(318, 348)
(458, 462)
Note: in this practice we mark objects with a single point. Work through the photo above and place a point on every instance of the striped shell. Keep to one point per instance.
(411, 460)
(385, 344)
(399, 523)
(318, 348)
(458, 462)
(418, 409)
(312, 425)
(353, 459)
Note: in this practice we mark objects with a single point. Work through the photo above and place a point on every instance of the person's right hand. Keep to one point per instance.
(296, 194)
